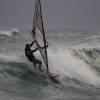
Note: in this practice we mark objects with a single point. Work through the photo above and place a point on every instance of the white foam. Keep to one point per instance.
(8, 33)
(13, 58)
(63, 61)
(68, 65)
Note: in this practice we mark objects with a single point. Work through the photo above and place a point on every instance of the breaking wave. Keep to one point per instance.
(71, 63)
(74, 54)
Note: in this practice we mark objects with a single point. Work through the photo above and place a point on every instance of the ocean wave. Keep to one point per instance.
(12, 32)
(71, 56)
(72, 63)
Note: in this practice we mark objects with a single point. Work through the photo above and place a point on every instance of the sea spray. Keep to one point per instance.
(69, 65)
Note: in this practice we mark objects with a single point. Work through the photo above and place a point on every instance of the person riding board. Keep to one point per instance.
(30, 56)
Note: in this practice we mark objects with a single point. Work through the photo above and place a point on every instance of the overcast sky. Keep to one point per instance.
(57, 14)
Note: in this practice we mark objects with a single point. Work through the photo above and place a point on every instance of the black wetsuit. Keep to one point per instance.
(30, 56)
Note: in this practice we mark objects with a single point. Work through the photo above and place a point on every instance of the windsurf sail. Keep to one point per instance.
(38, 32)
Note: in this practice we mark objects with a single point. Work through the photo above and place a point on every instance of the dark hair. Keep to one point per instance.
(27, 45)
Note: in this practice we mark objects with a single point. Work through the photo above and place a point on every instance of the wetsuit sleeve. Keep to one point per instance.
(32, 43)
(35, 50)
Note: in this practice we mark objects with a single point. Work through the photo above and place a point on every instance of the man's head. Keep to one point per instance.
(27, 45)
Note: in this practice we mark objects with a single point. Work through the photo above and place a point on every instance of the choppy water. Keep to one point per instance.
(74, 54)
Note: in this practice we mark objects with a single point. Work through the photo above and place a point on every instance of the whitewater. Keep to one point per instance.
(73, 53)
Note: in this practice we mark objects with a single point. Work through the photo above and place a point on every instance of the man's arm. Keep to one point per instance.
(35, 50)
(32, 43)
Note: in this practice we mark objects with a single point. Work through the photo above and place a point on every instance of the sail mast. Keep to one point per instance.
(38, 24)
(44, 38)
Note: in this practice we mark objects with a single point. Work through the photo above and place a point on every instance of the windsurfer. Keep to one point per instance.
(30, 55)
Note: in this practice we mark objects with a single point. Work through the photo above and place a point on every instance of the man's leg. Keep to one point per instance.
(34, 64)
(39, 63)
